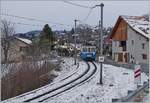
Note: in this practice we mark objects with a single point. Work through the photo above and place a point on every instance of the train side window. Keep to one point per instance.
(89, 49)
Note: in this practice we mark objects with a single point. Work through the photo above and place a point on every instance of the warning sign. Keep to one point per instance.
(137, 74)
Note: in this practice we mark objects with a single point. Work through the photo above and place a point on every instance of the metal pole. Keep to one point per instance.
(99, 37)
(101, 42)
(101, 34)
(75, 62)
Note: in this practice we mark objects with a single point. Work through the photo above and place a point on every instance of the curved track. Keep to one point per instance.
(69, 84)
(53, 82)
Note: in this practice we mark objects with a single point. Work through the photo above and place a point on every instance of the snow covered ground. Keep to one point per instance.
(147, 99)
(67, 68)
(116, 82)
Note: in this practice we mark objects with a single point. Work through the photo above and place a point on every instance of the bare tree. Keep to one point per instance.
(146, 16)
(84, 32)
(7, 30)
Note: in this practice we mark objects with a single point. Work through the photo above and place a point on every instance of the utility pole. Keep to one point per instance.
(75, 59)
(99, 27)
(101, 41)
(101, 65)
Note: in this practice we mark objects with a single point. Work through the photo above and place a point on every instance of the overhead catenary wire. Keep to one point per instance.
(19, 23)
(33, 19)
(34, 25)
(28, 18)
(65, 1)
(88, 7)
(75, 4)
(90, 11)
(26, 24)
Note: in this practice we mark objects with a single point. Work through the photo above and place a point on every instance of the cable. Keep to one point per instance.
(83, 6)
(25, 24)
(32, 19)
(90, 11)
(18, 23)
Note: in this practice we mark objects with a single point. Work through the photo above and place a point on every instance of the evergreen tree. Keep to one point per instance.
(72, 31)
(64, 31)
(47, 36)
(46, 40)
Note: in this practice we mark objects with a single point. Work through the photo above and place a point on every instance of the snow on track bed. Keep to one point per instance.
(84, 75)
(59, 85)
(79, 81)
(116, 82)
(52, 88)
(67, 70)
(120, 78)
(63, 87)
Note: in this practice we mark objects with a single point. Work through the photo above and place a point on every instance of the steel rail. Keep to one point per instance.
(93, 72)
(59, 87)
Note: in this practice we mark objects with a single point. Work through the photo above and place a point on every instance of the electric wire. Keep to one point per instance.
(85, 19)
(33, 19)
(83, 6)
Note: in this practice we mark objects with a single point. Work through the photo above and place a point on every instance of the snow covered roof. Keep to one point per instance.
(139, 24)
(27, 41)
(75, 35)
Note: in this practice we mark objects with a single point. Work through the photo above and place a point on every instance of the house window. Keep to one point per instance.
(143, 45)
(144, 56)
(131, 56)
(132, 42)
(22, 49)
(122, 43)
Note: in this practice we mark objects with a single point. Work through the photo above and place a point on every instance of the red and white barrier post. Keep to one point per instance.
(137, 74)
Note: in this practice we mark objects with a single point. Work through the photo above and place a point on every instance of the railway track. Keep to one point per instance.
(88, 73)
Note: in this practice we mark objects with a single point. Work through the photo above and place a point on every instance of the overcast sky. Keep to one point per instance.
(61, 12)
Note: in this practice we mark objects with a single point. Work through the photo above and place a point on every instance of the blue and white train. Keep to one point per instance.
(88, 53)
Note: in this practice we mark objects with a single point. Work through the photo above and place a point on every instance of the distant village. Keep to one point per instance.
(30, 59)
(126, 42)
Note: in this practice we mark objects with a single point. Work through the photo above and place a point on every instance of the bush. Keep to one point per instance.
(26, 76)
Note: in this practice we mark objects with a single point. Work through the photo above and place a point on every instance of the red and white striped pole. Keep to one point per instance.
(137, 74)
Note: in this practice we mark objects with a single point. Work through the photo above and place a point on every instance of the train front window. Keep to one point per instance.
(89, 49)
(93, 50)
(84, 50)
